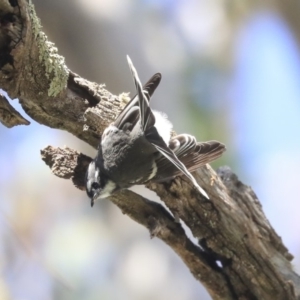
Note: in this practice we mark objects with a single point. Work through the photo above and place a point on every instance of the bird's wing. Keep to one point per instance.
(191, 153)
(170, 158)
(130, 113)
(147, 117)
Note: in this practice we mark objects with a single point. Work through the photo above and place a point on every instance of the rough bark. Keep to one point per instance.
(239, 255)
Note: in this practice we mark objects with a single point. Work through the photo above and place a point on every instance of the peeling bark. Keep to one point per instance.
(239, 255)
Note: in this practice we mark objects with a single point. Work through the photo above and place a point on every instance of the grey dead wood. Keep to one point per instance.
(238, 256)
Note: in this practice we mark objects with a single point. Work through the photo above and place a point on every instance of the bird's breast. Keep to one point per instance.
(127, 159)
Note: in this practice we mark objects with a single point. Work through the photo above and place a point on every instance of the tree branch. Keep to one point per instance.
(66, 162)
(9, 117)
(239, 255)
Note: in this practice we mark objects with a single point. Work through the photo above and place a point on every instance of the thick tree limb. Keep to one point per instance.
(232, 229)
(66, 162)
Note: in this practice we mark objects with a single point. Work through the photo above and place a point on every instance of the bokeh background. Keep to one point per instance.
(231, 71)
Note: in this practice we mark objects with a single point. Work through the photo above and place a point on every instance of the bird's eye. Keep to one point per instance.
(95, 185)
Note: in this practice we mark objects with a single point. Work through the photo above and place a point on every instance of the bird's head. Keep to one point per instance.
(98, 185)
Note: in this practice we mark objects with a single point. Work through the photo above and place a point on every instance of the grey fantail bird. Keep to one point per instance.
(137, 148)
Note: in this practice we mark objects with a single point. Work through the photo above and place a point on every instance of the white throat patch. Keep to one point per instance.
(107, 191)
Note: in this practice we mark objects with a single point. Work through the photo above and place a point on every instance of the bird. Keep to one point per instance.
(138, 147)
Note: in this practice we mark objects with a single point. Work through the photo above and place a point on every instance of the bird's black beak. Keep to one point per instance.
(92, 202)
